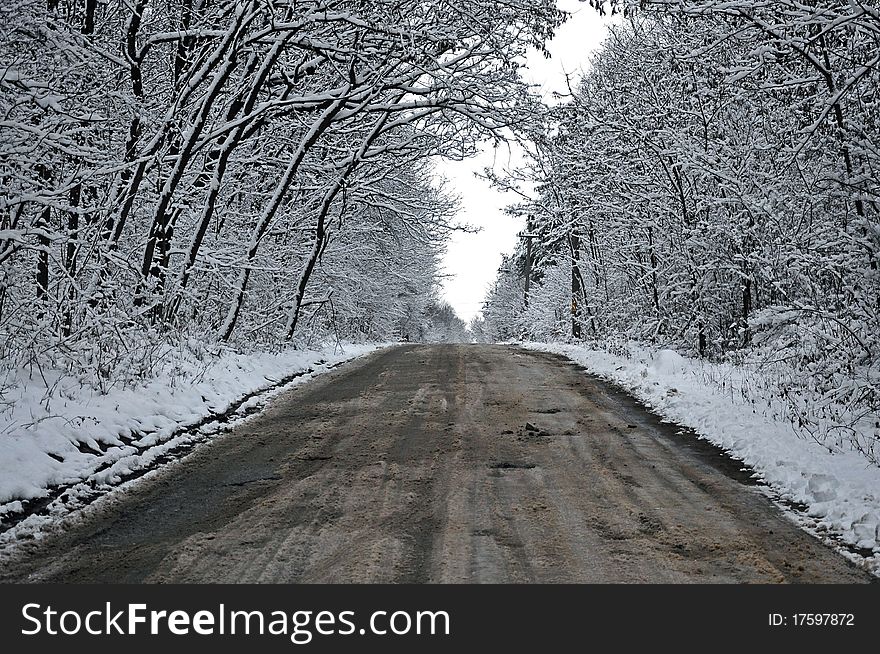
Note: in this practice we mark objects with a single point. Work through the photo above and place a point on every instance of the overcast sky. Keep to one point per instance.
(472, 259)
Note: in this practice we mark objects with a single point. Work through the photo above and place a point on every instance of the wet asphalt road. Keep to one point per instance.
(442, 463)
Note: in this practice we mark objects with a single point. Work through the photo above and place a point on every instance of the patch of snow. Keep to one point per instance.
(667, 362)
(72, 433)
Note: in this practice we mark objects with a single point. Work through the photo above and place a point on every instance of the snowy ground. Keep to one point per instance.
(841, 491)
(75, 439)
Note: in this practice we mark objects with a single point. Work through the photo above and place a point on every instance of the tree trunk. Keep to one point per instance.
(70, 259)
(746, 310)
(528, 270)
(88, 26)
(652, 257)
(575, 243)
(701, 339)
(44, 222)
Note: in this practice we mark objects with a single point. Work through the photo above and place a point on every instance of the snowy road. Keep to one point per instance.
(442, 464)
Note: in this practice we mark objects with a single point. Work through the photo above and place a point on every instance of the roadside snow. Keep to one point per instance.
(840, 490)
(73, 433)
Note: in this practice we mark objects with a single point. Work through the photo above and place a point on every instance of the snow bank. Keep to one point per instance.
(840, 489)
(55, 431)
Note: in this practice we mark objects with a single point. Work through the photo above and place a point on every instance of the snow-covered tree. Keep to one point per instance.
(249, 172)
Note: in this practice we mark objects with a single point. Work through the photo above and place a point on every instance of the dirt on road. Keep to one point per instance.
(446, 463)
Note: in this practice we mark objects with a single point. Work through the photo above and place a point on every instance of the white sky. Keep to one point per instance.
(472, 259)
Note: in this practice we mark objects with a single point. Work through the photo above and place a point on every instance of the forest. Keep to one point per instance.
(250, 173)
(711, 185)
